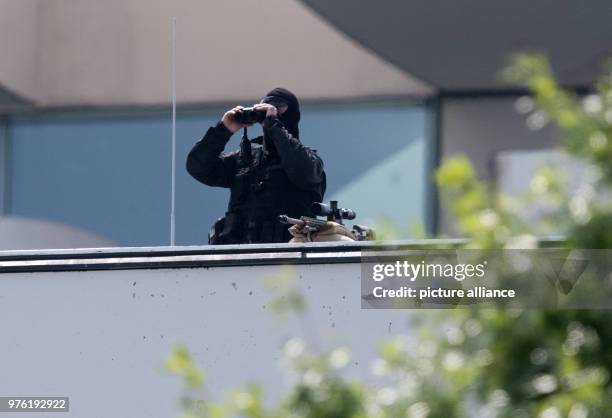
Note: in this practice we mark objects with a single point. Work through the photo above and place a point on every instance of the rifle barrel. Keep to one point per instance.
(288, 220)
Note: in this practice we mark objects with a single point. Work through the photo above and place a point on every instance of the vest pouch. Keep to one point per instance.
(232, 229)
(253, 233)
(240, 188)
(267, 232)
(281, 233)
(275, 178)
(215, 230)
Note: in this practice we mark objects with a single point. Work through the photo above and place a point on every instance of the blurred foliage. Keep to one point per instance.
(471, 362)
(586, 129)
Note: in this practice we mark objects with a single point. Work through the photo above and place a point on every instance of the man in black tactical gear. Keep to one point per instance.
(281, 176)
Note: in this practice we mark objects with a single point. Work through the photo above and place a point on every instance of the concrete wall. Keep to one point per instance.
(101, 338)
(20, 47)
(66, 52)
(5, 159)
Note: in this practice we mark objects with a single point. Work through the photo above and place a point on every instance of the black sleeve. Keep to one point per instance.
(302, 164)
(206, 161)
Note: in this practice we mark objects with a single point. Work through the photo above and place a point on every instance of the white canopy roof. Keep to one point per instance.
(17, 233)
(462, 45)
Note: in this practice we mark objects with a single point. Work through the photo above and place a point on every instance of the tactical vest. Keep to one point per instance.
(260, 192)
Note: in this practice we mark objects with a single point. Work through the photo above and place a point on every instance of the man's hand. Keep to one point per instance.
(229, 120)
(271, 111)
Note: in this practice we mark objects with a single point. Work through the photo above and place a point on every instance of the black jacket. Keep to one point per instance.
(285, 181)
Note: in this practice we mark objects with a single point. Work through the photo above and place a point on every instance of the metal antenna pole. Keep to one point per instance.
(172, 216)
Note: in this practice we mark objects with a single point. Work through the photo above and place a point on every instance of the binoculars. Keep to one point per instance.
(250, 115)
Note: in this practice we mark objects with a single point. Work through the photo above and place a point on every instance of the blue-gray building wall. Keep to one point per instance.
(112, 175)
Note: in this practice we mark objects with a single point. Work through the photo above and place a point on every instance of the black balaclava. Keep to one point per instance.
(291, 117)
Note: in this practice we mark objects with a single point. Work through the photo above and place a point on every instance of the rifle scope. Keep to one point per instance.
(332, 211)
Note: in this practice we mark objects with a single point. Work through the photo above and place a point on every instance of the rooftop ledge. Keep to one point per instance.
(121, 258)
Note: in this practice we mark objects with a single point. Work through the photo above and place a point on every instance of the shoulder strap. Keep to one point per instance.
(245, 157)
